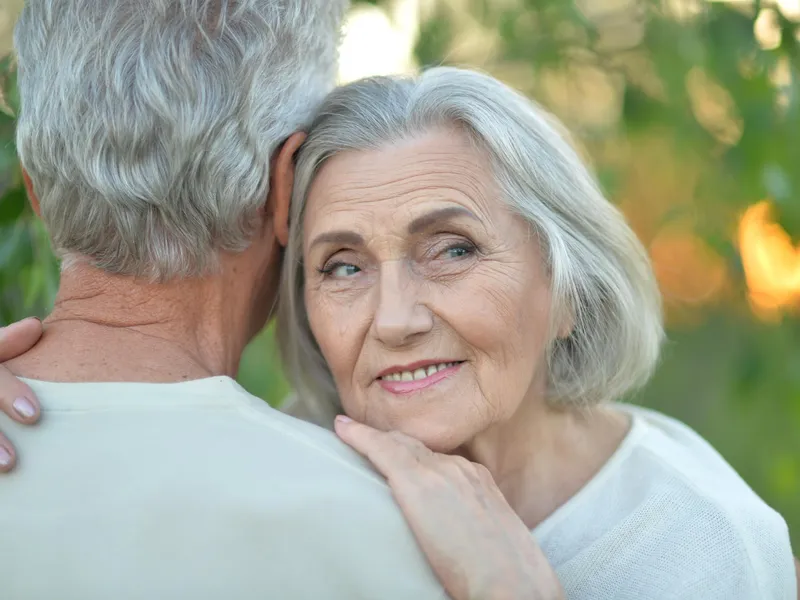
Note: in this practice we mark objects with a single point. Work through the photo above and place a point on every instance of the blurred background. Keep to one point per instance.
(689, 111)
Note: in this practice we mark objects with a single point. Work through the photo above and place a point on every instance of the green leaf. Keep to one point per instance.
(13, 205)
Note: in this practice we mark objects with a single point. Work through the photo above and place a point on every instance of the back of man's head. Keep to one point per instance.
(147, 125)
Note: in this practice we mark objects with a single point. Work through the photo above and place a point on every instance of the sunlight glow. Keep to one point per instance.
(790, 8)
(377, 43)
(771, 262)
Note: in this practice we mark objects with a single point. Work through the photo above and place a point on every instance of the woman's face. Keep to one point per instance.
(428, 298)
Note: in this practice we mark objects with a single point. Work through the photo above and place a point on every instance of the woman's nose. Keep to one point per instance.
(400, 315)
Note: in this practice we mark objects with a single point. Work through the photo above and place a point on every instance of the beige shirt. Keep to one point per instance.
(194, 490)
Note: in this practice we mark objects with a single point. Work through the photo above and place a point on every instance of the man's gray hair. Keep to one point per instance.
(601, 279)
(147, 126)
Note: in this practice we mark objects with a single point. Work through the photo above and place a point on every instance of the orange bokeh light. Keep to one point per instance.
(771, 262)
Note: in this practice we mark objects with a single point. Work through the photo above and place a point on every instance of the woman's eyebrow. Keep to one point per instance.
(346, 238)
(424, 222)
(421, 223)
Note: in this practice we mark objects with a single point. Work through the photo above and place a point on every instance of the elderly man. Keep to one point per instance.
(157, 139)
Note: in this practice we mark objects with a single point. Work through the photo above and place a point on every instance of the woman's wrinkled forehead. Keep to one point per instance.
(401, 179)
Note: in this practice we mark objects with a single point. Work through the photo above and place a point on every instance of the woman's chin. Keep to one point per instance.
(438, 432)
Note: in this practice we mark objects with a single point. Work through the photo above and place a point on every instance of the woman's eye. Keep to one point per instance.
(341, 270)
(345, 270)
(459, 251)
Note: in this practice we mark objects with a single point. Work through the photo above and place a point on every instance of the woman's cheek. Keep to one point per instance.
(337, 329)
(323, 324)
(507, 342)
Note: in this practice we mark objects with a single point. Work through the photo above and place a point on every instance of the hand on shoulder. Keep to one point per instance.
(476, 544)
(17, 400)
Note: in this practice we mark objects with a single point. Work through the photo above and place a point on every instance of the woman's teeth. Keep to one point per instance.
(418, 374)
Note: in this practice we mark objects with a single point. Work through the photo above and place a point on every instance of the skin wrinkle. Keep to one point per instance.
(411, 299)
(424, 184)
(71, 308)
(422, 192)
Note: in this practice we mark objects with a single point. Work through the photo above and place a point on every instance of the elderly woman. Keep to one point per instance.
(455, 276)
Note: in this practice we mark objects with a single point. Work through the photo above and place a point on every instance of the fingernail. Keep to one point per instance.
(343, 419)
(24, 408)
(5, 457)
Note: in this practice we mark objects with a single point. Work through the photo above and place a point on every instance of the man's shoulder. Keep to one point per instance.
(301, 434)
(180, 418)
(207, 452)
(216, 485)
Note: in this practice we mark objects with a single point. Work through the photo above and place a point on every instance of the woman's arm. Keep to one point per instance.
(17, 400)
(475, 543)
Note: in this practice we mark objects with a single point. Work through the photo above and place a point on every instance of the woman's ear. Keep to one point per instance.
(281, 185)
(32, 197)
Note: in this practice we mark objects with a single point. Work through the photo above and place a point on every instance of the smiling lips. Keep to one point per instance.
(411, 380)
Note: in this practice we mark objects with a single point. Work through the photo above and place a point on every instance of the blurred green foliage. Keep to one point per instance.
(28, 271)
(690, 112)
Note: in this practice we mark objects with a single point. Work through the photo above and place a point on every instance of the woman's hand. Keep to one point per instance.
(17, 400)
(476, 544)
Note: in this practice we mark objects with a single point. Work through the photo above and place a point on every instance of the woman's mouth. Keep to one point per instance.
(412, 380)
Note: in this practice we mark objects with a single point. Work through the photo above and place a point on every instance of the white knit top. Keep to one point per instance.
(668, 519)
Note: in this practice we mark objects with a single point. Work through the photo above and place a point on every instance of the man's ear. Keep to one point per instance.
(32, 197)
(281, 185)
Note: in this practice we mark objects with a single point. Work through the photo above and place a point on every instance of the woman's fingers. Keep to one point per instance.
(390, 452)
(17, 400)
(8, 457)
(19, 337)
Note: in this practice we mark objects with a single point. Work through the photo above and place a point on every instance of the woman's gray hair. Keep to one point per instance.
(602, 283)
(147, 126)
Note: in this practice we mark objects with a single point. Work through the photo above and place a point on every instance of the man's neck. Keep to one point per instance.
(111, 328)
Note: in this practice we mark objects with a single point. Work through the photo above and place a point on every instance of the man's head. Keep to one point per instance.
(148, 126)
